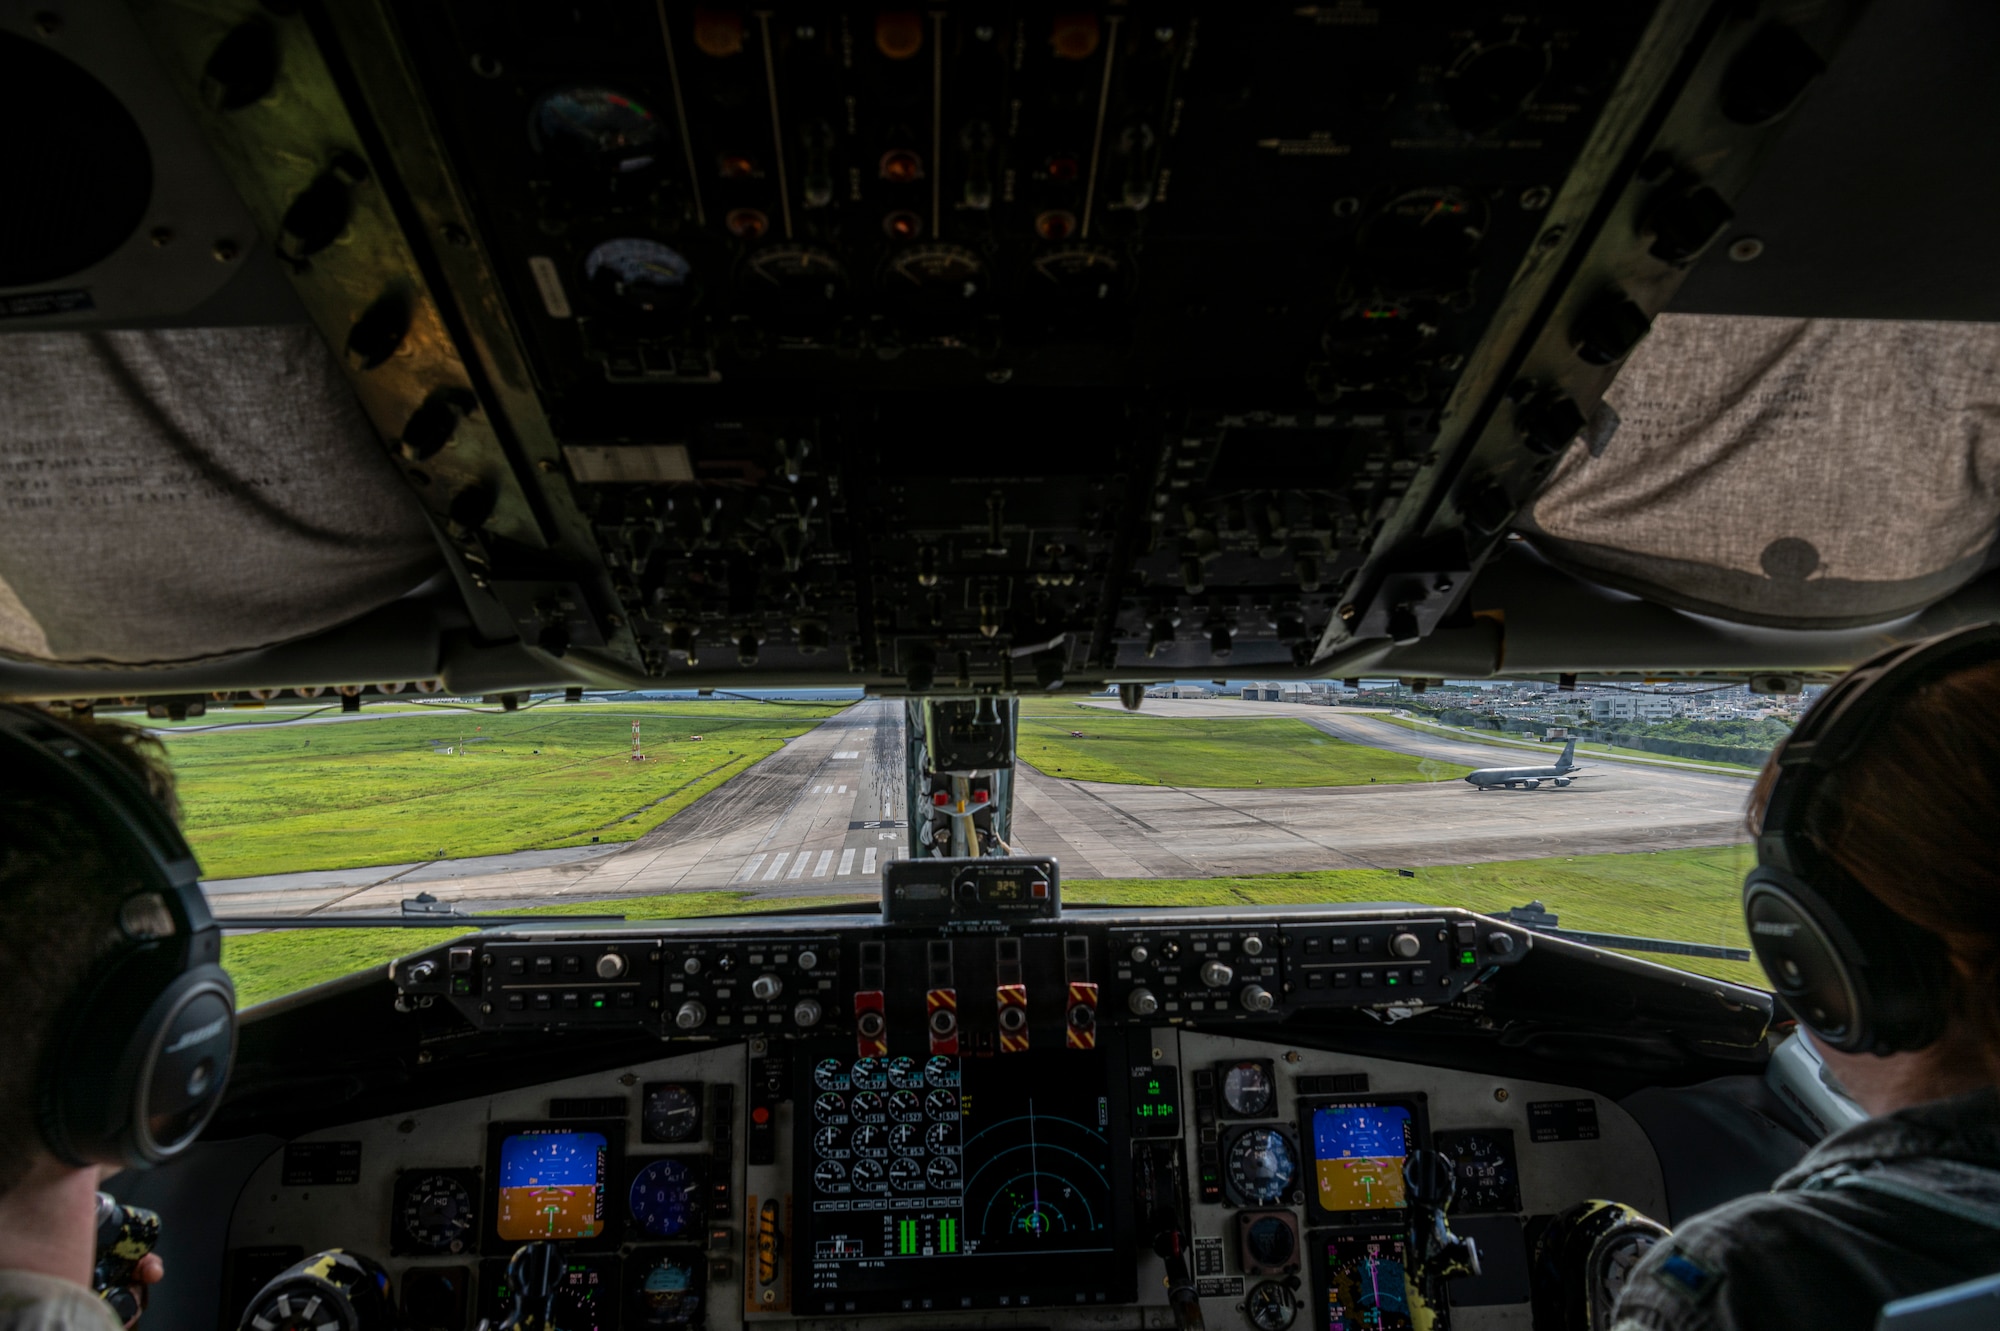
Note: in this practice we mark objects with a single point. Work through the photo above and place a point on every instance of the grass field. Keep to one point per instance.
(1229, 752)
(276, 799)
(1689, 895)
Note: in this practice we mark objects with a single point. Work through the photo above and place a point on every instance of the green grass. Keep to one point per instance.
(1227, 752)
(274, 963)
(1682, 894)
(281, 799)
(1555, 746)
(1688, 895)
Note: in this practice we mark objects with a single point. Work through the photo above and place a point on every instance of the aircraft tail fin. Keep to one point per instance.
(1569, 754)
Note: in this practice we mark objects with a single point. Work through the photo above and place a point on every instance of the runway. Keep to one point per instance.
(821, 816)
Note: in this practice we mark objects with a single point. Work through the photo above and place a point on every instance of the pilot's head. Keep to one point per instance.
(1908, 815)
(64, 878)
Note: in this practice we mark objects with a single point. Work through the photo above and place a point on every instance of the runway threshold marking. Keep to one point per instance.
(868, 860)
(846, 862)
(799, 866)
(825, 858)
(750, 869)
(777, 865)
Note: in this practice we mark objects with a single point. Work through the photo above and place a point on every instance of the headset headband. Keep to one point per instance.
(59, 759)
(1843, 717)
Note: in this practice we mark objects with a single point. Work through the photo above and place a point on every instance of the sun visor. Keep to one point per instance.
(179, 494)
(1794, 473)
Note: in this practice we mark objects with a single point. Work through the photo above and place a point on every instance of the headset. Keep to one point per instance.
(1859, 976)
(140, 1055)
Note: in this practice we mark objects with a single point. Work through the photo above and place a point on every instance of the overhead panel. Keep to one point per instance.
(990, 346)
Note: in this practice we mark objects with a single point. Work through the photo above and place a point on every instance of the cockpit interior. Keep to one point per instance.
(971, 356)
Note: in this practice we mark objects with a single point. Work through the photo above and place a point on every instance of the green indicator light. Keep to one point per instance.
(1395, 979)
(598, 1003)
(1468, 958)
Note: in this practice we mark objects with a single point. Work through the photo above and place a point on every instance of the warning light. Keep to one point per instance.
(1038, 888)
(981, 797)
(901, 225)
(760, 1115)
(940, 798)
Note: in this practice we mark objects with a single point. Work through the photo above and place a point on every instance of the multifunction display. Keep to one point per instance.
(949, 1182)
(1359, 1146)
(1363, 1282)
(551, 1184)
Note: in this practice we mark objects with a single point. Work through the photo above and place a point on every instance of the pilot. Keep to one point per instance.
(1875, 910)
(62, 886)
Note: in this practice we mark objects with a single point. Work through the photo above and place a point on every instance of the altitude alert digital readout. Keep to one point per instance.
(957, 1183)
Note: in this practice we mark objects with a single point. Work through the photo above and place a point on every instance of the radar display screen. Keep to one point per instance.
(1358, 1150)
(551, 1184)
(1362, 1282)
(991, 1184)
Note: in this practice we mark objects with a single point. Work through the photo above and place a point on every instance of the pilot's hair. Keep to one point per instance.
(62, 880)
(1913, 816)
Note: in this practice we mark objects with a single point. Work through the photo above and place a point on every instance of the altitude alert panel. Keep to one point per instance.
(991, 1186)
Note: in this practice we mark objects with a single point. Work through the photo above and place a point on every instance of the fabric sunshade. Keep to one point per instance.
(175, 495)
(1795, 473)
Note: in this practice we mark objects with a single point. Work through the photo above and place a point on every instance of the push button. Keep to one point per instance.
(543, 1002)
(545, 965)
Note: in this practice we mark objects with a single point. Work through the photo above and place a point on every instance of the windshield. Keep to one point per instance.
(1610, 814)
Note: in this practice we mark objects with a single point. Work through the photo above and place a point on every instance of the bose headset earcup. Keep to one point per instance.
(138, 1063)
(151, 1099)
(1878, 998)
(1858, 975)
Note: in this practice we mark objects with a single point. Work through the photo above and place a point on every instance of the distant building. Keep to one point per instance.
(1263, 692)
(1636, 707)
(1179, 691)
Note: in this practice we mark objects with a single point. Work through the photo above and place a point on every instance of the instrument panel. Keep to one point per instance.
(969, 1189)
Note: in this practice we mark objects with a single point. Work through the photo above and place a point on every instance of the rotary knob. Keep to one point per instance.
(806, 1012)
(808, 960)
(610, 966)
(692, 966)
(1256, 998)
(1253, 946)
(1142, 1003)
(1215, 975)
(1138, 953)
(1404, 945)
(766, 987)
(1500, 944)
(691, 1015)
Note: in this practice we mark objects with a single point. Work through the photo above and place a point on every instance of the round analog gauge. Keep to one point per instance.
(1271, 1307)
(941, 1105)
(596, 129)
(1270, 1242)
(672, 1113)
(793, 285)
(662, 1198)
(905, 1173)
(1423, 241)
(906, 1139)
(1261, 1167)
(1247, 1089)
(829, 1173)
(1084, 275)
(941, 1070)
(436, 1214)
(828, 1140)
(668, 1292)
(869, 1107)
(905, 1073)
(868, 1074)
(870, 1140)
(830, 1075)
(942, 1171)
(830, 1107)
(941, 1137)
(906, 1106)
(1483, 1173)
(939, 280)
(870, 1176)
(642, 276)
